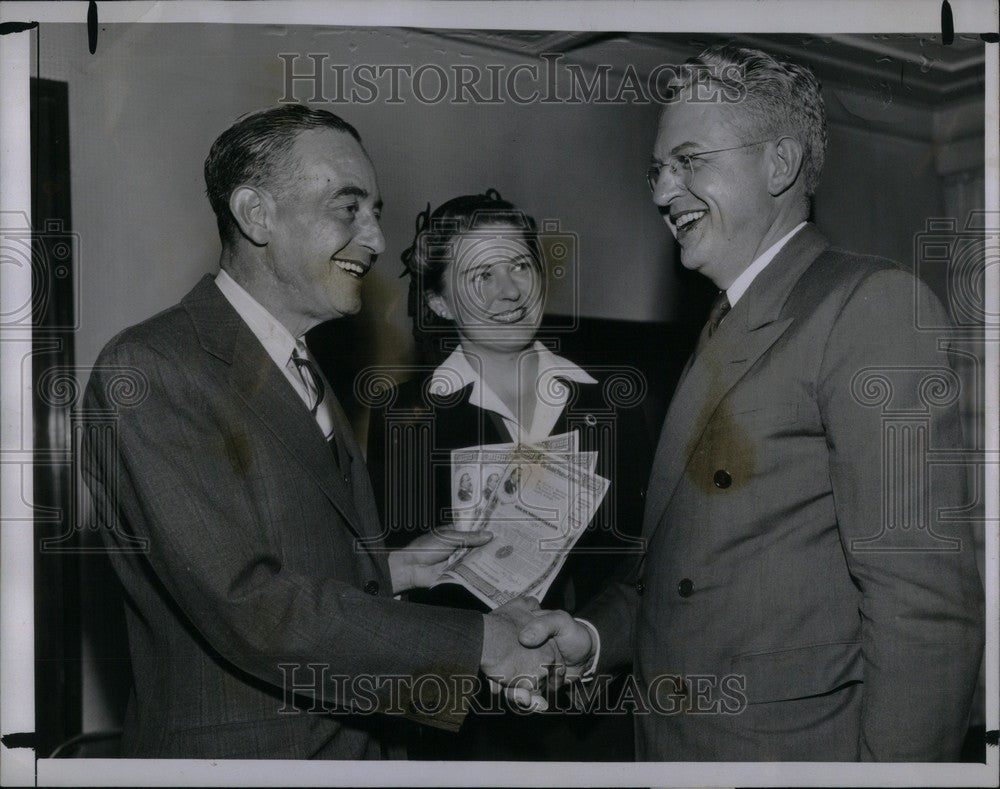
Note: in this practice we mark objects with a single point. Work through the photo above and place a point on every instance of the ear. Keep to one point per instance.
(786, 164)
(251, 209)
(440, 307)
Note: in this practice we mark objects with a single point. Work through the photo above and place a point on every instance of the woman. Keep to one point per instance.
(477, 292)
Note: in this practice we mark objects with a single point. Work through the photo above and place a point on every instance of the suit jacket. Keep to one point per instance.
(250, 561)
(805, 595)
(410, 441)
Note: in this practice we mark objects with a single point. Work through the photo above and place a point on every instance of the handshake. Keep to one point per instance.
(525, 648)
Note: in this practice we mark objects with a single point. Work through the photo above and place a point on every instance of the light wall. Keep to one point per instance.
(145, 109)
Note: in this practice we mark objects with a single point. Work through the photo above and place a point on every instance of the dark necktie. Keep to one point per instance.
(720, 308)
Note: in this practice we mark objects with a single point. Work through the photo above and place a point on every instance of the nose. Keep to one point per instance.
(668, 186)
(508, 288)
(371, 236)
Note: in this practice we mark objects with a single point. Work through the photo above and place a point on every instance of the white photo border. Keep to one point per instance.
(18, 765)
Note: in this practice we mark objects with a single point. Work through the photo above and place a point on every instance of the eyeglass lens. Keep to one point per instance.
(681, 169)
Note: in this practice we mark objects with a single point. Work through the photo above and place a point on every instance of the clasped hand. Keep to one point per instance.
(526, 649)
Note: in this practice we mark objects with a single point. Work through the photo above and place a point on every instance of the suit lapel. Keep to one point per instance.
(361, 483)
(750, 329)
(263, 387)
(715, 371)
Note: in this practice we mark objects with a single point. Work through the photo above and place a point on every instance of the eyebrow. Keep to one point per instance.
(353, 191)
(681, 148)
(515, 259)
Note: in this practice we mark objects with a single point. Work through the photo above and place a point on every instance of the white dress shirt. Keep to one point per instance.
(461, 369)
(279, 344)
(735, 291)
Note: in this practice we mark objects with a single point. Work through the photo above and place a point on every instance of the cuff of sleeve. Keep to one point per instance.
(591, 670)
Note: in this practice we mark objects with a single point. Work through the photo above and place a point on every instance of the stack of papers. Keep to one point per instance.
(536, 499)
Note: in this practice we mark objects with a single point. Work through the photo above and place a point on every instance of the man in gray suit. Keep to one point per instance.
(805, 594)
(236, 505)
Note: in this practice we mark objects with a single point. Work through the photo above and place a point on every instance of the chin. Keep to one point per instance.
(692, 262)
(345, 310)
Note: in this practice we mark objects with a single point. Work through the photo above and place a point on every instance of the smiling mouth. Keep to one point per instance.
(355, 268)
(509, 316)
(685, 221)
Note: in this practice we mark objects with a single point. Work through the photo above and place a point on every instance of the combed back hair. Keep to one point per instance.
(427, 259)
(254, 151)
(776, 96)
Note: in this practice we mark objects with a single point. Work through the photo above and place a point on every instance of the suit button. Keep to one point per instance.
(642, 493)
(685, 587)
(640, 588)
(722, 479)
(371, 587)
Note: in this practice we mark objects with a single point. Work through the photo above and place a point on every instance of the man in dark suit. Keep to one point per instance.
(805, 592)
(236, 505)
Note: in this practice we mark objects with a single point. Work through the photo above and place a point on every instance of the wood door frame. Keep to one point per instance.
(55, 253)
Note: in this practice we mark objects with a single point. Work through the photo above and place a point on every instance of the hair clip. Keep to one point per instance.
(423, 218)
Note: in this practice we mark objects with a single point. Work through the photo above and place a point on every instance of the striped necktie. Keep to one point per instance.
(311, 379)
(313, 382)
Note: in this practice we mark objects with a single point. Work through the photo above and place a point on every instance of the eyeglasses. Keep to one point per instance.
(682, 166)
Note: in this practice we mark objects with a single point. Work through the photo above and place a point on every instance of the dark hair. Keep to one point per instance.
(432, 251)
(776, 96)
(253, 151)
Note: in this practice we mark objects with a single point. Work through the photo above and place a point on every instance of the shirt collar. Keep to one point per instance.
(459, 371)
(735, 291)
(276, 339)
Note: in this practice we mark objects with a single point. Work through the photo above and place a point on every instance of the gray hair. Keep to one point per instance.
(776, 97)
(252, 151)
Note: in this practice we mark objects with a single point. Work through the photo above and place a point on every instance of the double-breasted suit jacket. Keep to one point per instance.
(806, 592)
(259, 605)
